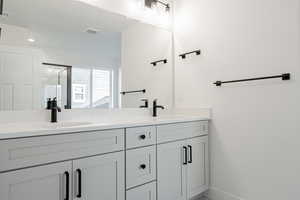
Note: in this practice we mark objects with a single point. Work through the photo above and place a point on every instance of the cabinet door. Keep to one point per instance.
(102, 177)
(171, 171)
(198, 166)
(47, 182)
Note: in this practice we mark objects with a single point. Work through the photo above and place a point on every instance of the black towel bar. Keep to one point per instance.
(183, 56)
(165, 61)
(284, 77)
(134, 91)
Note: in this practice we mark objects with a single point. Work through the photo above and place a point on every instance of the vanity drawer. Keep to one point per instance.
(140, 166)
(25, 152)
(140, 136)
(144, 192)
(179, 131)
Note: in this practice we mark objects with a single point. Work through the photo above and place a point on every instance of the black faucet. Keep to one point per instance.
(54, 109)
(155, 106)
(146, 105)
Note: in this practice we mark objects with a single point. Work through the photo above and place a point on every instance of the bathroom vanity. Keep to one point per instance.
(100, 55)
(163, 160)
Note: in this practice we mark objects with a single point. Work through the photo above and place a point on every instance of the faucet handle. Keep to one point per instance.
(146, 105)
(49, 103)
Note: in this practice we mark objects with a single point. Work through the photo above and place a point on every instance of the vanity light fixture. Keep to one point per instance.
(31, 40)
(30, 37)
(150, 3)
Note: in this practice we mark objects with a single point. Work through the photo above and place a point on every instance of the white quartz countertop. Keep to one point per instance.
(19, 130)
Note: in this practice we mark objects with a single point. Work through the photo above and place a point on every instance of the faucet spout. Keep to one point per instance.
(58, 109)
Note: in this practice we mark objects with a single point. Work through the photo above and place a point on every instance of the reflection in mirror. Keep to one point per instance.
(57, 83)
(74, 55)
(94, 61)
(92, 88)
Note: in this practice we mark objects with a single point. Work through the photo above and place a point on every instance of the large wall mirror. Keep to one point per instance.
(78, 53)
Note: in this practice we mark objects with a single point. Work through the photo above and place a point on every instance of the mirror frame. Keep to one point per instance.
(69, 82)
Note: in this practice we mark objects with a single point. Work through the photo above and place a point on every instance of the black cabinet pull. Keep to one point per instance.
(67, 175)
(185, 162)
(191, 154)
(142, 137)
(79, 183)
(143, 166)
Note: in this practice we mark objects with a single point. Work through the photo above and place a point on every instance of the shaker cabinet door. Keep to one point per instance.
(171, 171)
(198, 166)
(49, 182)
(100, 177)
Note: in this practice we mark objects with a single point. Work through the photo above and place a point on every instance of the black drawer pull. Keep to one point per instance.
(79, 183)
(185, 162)
(142, 137)
(142, 166)
(191, 153)
(67, 175)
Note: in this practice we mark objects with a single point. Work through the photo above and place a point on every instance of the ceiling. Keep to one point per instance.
(62, 15)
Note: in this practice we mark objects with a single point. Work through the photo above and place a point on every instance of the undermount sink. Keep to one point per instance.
(67, 124)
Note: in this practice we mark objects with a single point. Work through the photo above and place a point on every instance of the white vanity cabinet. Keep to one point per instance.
(182, 166)
(93, 178)
(182, 169)
(159, 162)
(94, 170)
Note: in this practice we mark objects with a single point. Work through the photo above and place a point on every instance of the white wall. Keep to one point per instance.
(254, 132)
(141, 45)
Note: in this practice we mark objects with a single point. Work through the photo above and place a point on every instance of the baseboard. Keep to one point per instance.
(216, 194)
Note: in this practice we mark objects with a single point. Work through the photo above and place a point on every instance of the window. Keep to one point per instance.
(92, 88)
(101, 85)
(81, 88)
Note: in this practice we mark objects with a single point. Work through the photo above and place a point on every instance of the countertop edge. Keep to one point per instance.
(95, 127)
